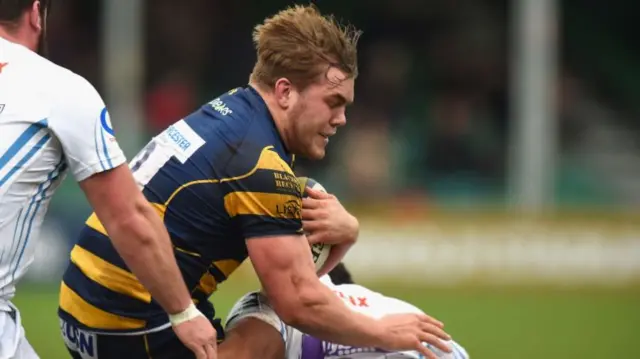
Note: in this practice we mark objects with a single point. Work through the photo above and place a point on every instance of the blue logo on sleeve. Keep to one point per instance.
(105, 121)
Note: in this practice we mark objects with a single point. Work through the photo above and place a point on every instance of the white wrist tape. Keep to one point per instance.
(190, 313)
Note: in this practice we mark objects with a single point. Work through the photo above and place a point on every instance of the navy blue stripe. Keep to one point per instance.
(21, 141)
(100, 245)
(106, 299)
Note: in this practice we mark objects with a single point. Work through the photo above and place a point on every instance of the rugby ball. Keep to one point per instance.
(319, 251)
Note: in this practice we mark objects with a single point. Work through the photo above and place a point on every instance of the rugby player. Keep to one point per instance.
(53, 121)
(253, 325)
(221, 179)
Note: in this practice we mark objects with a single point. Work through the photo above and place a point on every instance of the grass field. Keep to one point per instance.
(490, 323)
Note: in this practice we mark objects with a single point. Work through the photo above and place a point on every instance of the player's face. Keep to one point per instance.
(318, 112)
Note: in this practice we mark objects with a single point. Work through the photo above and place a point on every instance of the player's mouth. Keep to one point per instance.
(326, 136)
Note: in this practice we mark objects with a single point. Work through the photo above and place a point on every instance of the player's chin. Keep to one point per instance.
(317, 151)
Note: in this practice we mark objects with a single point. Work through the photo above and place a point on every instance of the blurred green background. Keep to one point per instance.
(491, 155)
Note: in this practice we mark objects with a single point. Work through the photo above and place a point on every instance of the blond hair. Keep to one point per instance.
(300, 44)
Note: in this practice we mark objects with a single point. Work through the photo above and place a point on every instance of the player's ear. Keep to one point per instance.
(35, 20)
(283, 91)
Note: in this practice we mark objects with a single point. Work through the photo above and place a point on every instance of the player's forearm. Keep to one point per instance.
(142, 239)
(322, 314)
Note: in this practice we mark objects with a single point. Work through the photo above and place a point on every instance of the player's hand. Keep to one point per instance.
(199, 336)
(327, 221)
(408, 331)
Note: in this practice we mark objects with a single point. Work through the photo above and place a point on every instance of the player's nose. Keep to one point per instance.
(339, 121)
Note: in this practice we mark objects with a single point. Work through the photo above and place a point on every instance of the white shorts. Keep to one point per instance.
(13, 343)
(255, 305)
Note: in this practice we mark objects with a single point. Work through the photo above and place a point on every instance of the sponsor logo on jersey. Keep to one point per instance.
(221, 107)
(183, 139)
(3, 65)
(289, 209)
(78, 340)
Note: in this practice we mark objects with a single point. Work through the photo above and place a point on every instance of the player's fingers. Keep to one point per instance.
(311, 225)
(200, 352)
(317, 194)
(435, 341)
(315, 238)
(310, 214)
(425, 351)
(310, 203)
(431, 320)
(211, 351)
(435, 330)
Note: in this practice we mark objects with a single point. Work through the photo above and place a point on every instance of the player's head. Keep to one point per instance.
(307, 64)
(340, 275)
(25, 22)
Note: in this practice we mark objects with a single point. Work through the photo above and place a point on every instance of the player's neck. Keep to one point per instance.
(278, 116)
(16, 37)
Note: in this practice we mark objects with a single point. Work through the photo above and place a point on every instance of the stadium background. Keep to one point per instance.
(491, 155)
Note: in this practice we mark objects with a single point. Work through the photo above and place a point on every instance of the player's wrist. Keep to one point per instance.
(189, 313)
(379, 333)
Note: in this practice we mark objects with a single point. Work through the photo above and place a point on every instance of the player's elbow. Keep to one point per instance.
(133, 230)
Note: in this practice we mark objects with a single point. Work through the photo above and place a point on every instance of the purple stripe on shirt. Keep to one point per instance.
(311, 348)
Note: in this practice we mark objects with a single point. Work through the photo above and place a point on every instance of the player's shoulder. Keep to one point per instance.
(238, 113)
(237, 125)
(45, 73)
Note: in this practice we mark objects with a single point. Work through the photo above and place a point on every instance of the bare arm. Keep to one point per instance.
(287, 274)
(138, 234)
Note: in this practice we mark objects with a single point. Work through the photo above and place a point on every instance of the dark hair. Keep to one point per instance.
(11, 10)
(340, 275)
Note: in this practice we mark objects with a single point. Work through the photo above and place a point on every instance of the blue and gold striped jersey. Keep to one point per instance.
(217, 177)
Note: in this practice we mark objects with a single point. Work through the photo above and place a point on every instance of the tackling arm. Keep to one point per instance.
(287, 274)
(138, 235)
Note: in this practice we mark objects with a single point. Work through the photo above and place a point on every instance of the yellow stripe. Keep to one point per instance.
(207, 284)
(94, 222)
(109, 275)
(91, 316)
(268, 160)
(262, 204)
(146, 347)
(227, 266)
(194, 254)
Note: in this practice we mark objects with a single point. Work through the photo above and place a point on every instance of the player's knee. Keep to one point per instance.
(252, 338)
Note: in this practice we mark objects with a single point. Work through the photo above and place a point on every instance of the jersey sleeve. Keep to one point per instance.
(266, 201)
(80, 121)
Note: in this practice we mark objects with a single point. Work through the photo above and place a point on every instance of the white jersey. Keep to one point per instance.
(51, 121)
(360, 299)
